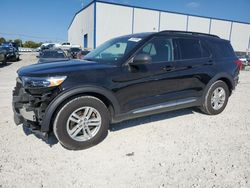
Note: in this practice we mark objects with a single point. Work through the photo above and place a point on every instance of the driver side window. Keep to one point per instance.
(160, 49)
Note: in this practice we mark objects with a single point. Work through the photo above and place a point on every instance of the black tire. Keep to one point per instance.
(5, 61)
(60, 123)
(207, 107)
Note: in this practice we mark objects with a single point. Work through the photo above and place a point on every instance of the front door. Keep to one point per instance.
(149, 84)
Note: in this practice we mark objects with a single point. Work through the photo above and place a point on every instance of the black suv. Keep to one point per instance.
(124, 78)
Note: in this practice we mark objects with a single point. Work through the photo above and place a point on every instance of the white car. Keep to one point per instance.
(67, 46)
(50, 45)
(244, 60)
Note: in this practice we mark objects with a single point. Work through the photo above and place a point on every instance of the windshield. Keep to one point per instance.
(52, 54)
(113, 50)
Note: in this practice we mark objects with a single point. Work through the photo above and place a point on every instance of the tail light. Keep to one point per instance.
(239, 64)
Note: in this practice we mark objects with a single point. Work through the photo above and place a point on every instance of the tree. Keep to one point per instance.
(19, 42)
(31, 44)
(2, 40)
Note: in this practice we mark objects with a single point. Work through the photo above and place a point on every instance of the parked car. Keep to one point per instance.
(67, 46)
(12, 53)
(3, 56)
(73, 52)
(47, 46)
(244, 60)
(12, 44)
(127, 77)
(52, 55)
(82, 54)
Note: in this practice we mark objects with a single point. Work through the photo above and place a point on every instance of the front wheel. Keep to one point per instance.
(5, 61)
(216, 98)
(81, 123)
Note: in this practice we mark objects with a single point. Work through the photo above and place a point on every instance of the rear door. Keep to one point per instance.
(193, 66)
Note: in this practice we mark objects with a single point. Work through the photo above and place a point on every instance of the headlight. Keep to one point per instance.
(41, 82)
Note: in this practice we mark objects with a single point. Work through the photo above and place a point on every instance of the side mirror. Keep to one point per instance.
(141, 59)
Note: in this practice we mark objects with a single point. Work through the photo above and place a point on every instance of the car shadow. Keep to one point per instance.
(149, 119)
(8, 64)
(52, 140)
(13, 60)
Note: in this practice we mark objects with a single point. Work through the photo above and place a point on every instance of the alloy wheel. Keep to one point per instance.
(218, 98)
(84, 123)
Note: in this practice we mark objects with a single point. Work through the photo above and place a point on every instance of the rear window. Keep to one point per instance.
(189, 48)
(223, 49)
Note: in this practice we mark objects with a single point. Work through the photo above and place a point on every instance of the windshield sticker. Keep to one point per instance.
(135, 39)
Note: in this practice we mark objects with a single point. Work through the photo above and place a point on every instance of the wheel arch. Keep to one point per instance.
(103, 94)
(228, 79)
(229, 84)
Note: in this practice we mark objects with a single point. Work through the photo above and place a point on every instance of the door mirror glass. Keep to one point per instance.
(141, 59)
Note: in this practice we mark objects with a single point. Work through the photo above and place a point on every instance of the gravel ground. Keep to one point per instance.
(177, 149)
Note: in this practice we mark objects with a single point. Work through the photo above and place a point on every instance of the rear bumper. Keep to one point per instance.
(236, 81)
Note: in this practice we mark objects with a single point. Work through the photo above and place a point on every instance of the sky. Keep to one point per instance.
(48, 20)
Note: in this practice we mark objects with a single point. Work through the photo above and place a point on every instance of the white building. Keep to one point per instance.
(100, 21)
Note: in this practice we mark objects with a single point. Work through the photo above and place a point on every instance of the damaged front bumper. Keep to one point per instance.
(29, 108)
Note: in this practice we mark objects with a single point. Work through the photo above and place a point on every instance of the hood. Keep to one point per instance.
(60, 68)
(51, 60)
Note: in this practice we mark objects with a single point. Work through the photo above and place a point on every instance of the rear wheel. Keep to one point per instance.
(81, 123)
(216, 98)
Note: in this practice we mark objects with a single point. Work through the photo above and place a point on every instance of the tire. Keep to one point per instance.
(5, 61)
(209, 106)
(63, 125)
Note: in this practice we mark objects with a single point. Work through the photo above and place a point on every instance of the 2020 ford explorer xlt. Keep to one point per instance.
(124, 78)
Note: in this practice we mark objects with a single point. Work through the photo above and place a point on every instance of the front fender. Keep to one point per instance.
(57, 101)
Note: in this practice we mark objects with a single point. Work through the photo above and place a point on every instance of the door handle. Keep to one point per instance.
(168, 68)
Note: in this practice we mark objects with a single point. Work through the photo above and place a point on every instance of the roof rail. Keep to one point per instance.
(189, 32)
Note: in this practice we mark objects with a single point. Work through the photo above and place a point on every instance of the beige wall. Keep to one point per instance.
(81, 25)
(170, 21)
(221, 28)
(240, 36)
(146, 20)
(112, 21)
